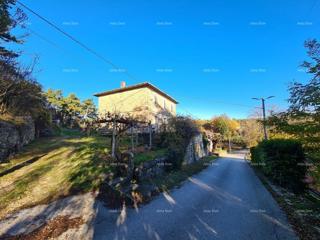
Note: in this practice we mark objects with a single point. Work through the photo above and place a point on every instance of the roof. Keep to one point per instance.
(137, 86)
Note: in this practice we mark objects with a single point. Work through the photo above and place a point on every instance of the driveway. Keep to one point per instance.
(224, 201)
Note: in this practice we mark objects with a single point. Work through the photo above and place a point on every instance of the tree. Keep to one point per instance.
(20, 93)
(88, 110)
(225, 127)
(302, 120)
(180, 131)
(70, 110)
(9, 21)
(55, 99)
(250, 131)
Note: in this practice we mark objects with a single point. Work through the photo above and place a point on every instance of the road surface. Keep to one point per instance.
(224, 201)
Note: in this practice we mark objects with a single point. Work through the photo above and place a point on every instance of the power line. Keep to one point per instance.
(264, 114)
(315, 2)
(235, 104)
(109, 62)
(45, 39)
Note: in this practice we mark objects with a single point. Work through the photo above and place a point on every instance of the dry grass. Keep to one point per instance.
(12, 119)
(70, 165)
(62, 166)
(37, 148)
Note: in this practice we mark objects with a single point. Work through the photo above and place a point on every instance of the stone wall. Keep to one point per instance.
(195, 150)
(151, 169)
(14, 137)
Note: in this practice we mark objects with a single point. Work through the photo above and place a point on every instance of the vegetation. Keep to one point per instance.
(283, 161)
(224, 126)
(70, 111)
(174, 178)
(302, 120)
(222, 131)
(20, 94)
(65, 165)
(149, 155)
(302, 210)
(179, 132)
(250, 132)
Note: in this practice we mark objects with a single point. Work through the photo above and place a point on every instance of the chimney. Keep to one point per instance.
(122, 84)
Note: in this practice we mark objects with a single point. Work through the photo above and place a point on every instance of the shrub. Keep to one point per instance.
(176, 139)
(257, 155)
(283, 161)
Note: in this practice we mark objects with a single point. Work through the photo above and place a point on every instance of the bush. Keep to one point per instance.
(257, 155)
(176, 139)
(283, 161)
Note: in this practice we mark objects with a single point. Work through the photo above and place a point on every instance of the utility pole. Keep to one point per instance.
(264, 114)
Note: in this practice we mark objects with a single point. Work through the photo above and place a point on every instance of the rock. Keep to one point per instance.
(148, 190)
(150, 169)
(195, 150)
(210, 146)
(14, 137)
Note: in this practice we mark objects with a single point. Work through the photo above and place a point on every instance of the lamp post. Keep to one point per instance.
(264, 114)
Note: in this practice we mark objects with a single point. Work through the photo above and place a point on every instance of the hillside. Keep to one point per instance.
(59, 166)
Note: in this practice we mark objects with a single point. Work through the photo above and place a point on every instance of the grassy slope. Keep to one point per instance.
(65, 165)
(68, 165)
(148, 155)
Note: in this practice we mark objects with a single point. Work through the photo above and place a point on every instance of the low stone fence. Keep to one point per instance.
(151, 169)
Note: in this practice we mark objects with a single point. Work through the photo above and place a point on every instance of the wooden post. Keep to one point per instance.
(137, 136)
(132, 140)
(150, 135)
(113, 151)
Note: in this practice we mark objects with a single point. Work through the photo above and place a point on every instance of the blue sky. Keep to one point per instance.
(212, 56)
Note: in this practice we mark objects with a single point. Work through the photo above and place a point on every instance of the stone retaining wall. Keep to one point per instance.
(194, 152)
(151, 169)
(14, 137)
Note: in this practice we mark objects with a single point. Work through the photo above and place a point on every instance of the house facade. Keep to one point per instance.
(143, 101)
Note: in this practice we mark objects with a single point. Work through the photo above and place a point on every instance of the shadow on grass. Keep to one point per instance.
(82, 162)
(21, 165)
(89, 173)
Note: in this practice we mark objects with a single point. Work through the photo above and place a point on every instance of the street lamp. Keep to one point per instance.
(264, 114)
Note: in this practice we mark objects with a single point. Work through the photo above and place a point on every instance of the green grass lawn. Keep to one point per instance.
(66, 165)
(149, 155)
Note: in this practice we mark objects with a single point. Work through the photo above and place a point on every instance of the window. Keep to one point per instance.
(164, 103)
(155, 99)
(171, 107)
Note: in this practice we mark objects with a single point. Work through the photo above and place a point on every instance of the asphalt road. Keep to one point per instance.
(224, 201)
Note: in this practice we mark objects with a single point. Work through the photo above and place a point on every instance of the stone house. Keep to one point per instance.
(143, 101)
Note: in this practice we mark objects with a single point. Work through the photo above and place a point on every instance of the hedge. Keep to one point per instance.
(283, 161)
